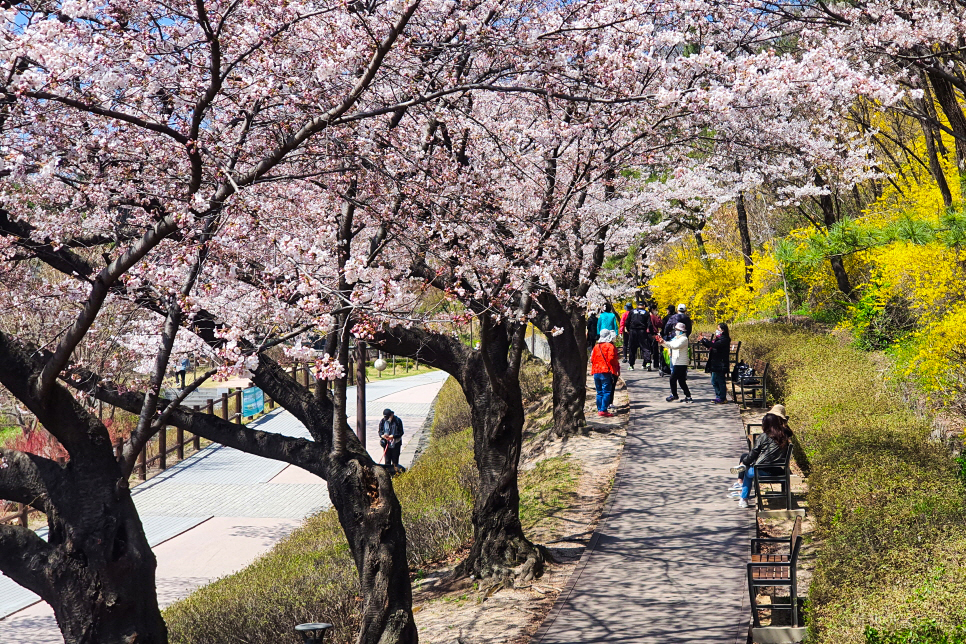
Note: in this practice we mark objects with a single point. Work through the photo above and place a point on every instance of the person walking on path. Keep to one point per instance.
(606, 369)
(767, 454)
(655, 348)
(591, 331)
(638, 337)
(390, 437)
(607, 320)
(678, 345)
(680, 317)
(623, 330)
(182, 372)
(719, 358)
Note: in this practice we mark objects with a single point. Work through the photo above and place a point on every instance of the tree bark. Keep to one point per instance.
(745, 236)
(835, 261)
(96, 569)
(945, 95)
(568, 361)
(492, 389)
(935, 167)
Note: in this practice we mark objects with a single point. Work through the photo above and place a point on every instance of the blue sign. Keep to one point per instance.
(253, 401)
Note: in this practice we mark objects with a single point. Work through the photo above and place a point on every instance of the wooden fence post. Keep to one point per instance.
(163, 448)
(195, 439)
(179, 433)
(224, 406)
(238, 406)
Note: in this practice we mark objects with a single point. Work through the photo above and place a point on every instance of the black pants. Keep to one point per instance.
(179, 375)
(655, 352)
(392, 454)
(625, 346)
(637, 341)
(679, 374)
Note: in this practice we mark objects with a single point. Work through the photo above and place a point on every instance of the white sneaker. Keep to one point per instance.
(736, 486)
(631, 367)
(742, 503)
(741, 467)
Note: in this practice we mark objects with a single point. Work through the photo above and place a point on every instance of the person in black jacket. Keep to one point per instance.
(390, 437)
(639, 331)
(682, 317)
(591, 332)
(768, 454)
(719, 360)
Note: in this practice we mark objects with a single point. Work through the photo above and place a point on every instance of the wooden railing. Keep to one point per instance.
(228, 407)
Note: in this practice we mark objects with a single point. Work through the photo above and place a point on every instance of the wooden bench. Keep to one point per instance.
(754, 393)
(732, 358)
(782, 480)
(775, 570)
(700, 354)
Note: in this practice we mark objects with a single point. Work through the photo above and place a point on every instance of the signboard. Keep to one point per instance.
(253, 401)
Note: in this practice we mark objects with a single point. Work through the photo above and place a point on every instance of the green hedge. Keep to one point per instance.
(888, 500)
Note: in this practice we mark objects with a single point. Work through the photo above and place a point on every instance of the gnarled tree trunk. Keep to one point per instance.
(492, 388)
(96, 569)
(568, 361)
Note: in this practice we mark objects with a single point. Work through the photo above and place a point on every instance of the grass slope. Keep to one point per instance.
(888, 500)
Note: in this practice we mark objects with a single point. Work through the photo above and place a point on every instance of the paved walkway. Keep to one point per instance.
(217, 511)
(667, 564)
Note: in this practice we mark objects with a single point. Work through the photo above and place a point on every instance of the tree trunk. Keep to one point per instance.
(935, 167)
(946, 97)
(835, 261)
(363, 496)
(96, 569)
(745, 235)
(492, 390)
(500, 548)
(568, 361)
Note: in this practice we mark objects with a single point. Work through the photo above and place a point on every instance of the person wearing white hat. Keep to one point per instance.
(768, 452)
(678, 346)
(680, 317)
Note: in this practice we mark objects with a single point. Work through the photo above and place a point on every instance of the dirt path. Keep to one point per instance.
(467, 614)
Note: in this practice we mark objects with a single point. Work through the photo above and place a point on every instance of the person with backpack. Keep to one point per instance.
(606, 369)
(678, 346)
(719, 358)
(768, 454)
(638, 336)
(680, 317)
(390, 437)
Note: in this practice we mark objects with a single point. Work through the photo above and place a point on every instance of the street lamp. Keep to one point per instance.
(312, 633)
(380, 365)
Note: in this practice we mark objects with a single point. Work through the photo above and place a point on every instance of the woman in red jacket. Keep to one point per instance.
(606, 368)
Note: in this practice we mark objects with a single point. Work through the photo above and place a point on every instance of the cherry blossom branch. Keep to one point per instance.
(160, 128)
(102, 284)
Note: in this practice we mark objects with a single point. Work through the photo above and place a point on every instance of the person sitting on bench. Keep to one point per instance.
(769, 450)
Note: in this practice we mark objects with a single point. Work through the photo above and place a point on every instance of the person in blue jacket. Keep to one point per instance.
(607, 320)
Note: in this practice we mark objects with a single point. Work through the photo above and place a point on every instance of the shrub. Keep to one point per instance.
(452, 413)
(888, 501)
(926, 633)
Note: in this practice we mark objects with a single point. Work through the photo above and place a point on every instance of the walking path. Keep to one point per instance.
(217, 511)
(667, 563)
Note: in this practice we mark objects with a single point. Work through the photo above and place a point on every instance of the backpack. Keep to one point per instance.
(744, 374)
